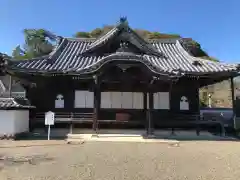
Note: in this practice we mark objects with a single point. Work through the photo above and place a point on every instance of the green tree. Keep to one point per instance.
(38, 42)
(18, 52)
(82, 34)
(96, 32)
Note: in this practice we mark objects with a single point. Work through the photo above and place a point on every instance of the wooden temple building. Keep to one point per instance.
(118, 80)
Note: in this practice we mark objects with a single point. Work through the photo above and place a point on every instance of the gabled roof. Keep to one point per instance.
(126, 34)
(69, 57)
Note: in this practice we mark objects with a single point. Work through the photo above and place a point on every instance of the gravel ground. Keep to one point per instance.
(115, 160)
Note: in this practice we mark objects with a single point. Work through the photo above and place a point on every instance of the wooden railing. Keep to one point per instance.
(66, 117)
(75, 117)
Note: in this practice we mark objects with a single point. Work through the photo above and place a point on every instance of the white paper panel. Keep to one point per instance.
(89, 99)
(155, 101)
(116, 99)
(80, 99)
(106, 100)
(127, 100)
(163, 100)
(137, 100)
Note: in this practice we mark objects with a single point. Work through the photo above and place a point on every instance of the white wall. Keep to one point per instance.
(14, 121)
(21, 121)
(6, 122)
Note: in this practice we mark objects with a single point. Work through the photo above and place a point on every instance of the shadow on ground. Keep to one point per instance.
(38, 136)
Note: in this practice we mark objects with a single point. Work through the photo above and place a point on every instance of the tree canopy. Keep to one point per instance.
(37, 43)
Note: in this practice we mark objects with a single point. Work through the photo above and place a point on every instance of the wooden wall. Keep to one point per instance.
(43, 97)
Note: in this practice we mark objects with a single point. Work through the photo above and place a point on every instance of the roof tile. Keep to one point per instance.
(70, 58)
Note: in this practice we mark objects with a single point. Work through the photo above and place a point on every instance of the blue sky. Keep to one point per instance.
(213, 23)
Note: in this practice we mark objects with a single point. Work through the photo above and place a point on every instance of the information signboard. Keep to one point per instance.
(49, 118)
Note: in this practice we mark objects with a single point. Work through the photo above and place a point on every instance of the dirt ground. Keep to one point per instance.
(122, 160)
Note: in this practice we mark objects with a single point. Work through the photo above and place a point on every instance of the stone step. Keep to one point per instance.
(121, 139)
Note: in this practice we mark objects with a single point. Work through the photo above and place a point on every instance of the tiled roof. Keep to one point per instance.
(14, 103)
(67, 57)
(171, 58)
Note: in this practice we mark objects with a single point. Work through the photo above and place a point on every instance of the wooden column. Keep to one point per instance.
(149, 114)
(10, 86)
(97, 101)
(145, 109)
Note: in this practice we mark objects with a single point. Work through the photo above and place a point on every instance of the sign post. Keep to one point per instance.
(49, 120)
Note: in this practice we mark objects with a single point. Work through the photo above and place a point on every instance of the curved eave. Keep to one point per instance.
(94, 67)
(128, 57)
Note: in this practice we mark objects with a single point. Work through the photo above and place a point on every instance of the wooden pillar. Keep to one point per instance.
(149, 114)
(97, 101)
(145, 109)
(10, 86)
